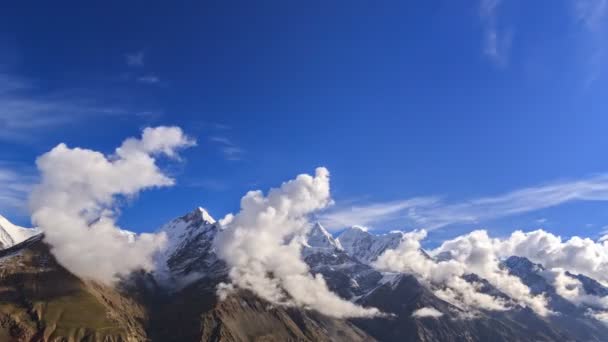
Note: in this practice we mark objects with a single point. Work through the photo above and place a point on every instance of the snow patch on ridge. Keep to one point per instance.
(11, 234)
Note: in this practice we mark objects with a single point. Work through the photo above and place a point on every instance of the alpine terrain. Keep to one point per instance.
(43, 301)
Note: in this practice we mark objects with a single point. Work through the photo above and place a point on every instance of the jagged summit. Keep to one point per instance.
(11, 234)
(189, 249)
(205, 215)
(365, 246)
(521, 263)
(185, 307)
(180, 228)
(319, 237)
(199, 214)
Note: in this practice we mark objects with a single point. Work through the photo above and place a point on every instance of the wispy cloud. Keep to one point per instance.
(433, 212)
(591, 13)
(23, 111)
(496, 40)
(229, 149)
(135, 59)
(222, 140)
(220, 126)
(591, 16)
(370, 214)
(15, 184)
(207, 184)
(148, 79)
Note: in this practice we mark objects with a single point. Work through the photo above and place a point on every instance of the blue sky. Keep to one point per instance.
(448, 105)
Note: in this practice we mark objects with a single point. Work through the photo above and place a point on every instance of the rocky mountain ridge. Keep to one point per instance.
(178, 302)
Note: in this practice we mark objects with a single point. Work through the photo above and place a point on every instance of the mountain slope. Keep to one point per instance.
(189, 254)
(344, 274)
(187, 308)
(404, 294)
(571, 318)
(41, 300)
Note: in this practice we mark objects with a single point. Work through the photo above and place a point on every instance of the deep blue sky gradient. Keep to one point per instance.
(396, 98)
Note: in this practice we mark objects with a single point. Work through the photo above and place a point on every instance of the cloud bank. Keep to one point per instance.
(578, 255)
(480, 254)
(472, 253)
(261, 245)
(75, 202)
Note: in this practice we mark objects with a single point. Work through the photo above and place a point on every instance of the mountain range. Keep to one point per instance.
(40, 300)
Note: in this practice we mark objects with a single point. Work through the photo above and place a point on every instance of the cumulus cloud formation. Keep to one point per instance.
(261, 245)
(472, 253)
(427, 312)
(572, 289)
(75, 201)
(479, 254)
(477, 251)
(577, 255)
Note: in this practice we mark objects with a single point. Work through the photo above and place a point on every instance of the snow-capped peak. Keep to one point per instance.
(365, 246)
(11, 234)
(319, 238)
(205, 215)
(180, 229)
(189, 245)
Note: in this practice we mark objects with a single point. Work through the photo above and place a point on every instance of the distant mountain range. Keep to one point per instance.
(42, 301)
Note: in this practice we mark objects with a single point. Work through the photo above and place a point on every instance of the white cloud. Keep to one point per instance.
(148, 79)
(479, 254)
(591, 16)
(578, 255)
(340, 217)
(221, 140)
(15, 184)
(135, 59)
(471, 253)
(75, 202)
(591, 13)
(572, 289)
(229, 149)
(261, 245)
(432, 213)
(496, 40)
(427, 312)
(24, 113)
(601, 316)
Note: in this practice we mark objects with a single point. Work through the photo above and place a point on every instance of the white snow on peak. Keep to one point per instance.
(179, 230)
(319, 239)
(205, 215)
(196, 227)
(365, 246)
(365, 229)
(11, 234)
